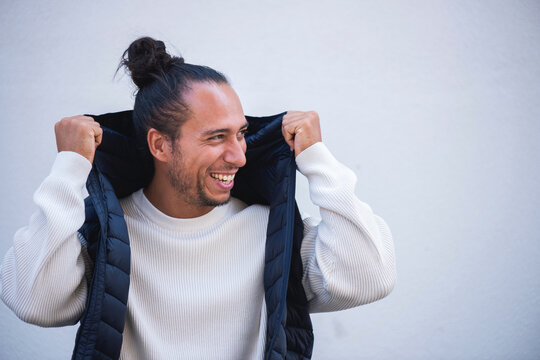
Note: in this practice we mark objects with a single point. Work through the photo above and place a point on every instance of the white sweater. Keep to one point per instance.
(196, 287)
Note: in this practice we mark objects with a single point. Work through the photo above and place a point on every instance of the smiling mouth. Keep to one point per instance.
(224, 178)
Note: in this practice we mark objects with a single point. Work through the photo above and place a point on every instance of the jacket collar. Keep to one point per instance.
(128, 165)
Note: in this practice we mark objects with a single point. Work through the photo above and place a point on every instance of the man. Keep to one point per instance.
(201, 262)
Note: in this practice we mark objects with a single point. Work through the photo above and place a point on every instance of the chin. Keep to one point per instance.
(215, 201)
(224, 201)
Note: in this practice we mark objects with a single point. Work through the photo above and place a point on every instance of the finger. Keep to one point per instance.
(85, 118)
(95, 126)
(292, 117)
(98, 136)
(292, 113)
(288, 136)
(295, 123)
(80, 118)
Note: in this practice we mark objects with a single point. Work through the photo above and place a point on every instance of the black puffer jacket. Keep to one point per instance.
(121, 167)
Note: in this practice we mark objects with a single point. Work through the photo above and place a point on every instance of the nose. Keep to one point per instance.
(235, 153)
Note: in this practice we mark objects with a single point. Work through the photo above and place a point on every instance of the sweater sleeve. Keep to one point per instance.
(348, 256)
(43, 273)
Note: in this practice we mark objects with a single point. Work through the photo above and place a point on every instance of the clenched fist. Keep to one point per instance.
(80, 134)
(301, 129)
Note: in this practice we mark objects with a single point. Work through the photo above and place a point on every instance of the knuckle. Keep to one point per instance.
(63, 123)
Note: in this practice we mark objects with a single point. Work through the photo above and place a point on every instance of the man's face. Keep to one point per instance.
(211, 146)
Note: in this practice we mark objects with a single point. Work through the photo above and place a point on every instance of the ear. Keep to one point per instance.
(159, 145)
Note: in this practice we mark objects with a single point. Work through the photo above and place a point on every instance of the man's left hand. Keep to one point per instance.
(301, 129)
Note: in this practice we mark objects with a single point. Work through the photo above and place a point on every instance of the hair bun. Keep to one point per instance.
(147, 60)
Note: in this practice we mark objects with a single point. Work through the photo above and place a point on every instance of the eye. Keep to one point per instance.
(217, 137)
(242, 133)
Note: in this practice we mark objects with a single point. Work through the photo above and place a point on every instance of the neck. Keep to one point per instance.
(163, 196)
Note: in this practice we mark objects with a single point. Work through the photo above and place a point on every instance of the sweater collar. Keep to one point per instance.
(205, 222)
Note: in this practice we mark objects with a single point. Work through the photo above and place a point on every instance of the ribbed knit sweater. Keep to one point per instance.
(196, 287)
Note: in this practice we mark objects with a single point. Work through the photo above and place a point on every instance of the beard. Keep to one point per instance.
(187, 188)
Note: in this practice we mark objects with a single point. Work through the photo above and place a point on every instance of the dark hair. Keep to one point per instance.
(163, 80)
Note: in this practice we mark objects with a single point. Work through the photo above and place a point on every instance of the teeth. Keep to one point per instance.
(224, 178)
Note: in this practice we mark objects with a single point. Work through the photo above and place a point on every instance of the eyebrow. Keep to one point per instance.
(220, 131)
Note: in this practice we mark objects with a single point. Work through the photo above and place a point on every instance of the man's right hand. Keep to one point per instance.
(80, 134)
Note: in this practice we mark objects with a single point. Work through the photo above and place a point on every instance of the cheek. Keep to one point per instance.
(208, 160)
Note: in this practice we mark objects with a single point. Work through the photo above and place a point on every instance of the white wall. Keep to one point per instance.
(434, 104)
